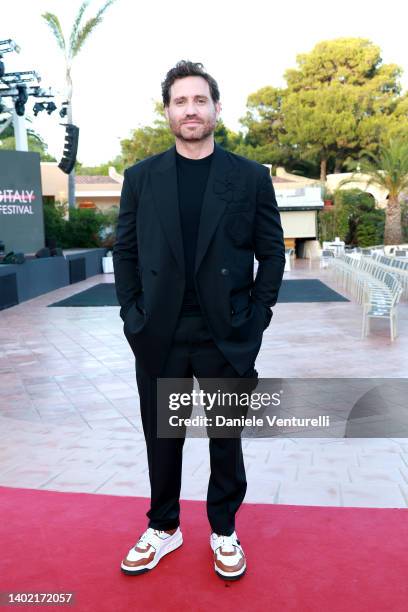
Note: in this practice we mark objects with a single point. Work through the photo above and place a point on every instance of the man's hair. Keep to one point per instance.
(185, 68)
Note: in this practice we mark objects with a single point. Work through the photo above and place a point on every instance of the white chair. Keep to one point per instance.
(382, 304)
(325, 258)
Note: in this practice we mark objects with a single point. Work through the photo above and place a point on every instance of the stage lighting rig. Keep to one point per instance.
(19, 87)
(6, 46)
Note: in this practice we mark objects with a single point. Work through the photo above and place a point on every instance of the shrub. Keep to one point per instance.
(85, 228)
(354, 218)
(54, 222)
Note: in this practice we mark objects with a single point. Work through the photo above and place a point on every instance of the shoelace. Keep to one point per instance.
(227, 542)
(146, 536)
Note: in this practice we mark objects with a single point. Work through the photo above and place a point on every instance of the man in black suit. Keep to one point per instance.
(191, 220)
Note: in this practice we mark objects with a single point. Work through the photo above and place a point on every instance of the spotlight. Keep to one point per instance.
(22, 93)
(19, 103)
(63, 112)
(51, 107)
(38, 107)
(20, 108)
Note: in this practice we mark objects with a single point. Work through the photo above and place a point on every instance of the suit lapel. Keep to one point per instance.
(163, 177)
(163, 180)
(213, 206)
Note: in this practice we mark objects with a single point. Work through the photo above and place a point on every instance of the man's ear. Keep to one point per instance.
(218, 108)
(166, 112)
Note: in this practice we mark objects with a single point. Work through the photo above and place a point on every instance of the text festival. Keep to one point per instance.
(11, 196)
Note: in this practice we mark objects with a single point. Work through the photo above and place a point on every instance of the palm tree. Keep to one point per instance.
(79, 34)
(389, 170)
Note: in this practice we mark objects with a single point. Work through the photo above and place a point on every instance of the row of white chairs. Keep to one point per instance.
(398, 267)
(372, 285)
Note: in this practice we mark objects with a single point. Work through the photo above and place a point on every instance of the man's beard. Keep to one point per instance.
(200, 132)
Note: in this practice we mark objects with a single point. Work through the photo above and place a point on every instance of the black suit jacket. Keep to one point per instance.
(239, 218)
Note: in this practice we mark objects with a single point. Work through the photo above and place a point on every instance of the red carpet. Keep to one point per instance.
(304, 559)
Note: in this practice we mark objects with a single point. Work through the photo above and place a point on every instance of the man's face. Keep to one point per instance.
(191, 114)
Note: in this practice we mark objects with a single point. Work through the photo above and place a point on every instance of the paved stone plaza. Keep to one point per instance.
(70, 421)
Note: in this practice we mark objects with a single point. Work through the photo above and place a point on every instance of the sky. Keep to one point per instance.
(243, 45)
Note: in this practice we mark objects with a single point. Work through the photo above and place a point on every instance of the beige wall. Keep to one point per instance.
(54, 181)
(299, 224)
(300, 181)
(379, 194)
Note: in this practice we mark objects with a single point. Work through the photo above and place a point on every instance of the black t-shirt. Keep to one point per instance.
(192, 176)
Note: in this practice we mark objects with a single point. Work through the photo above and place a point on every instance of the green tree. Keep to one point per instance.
(71, 47)
(339, 100)
(102, 169)
(264, 124)
(147, 140)
(354, 218)
(360, 223)
(388, 170)
(404, 219)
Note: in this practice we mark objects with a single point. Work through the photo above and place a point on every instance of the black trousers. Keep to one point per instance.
(193, 352)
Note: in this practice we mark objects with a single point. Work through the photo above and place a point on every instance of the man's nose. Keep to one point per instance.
(191, 108)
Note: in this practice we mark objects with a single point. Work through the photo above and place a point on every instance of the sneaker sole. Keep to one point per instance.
(173, 545)
(230, 575)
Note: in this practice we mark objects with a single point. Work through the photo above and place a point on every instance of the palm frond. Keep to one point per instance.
(76, 24)
(89, 26)
(55, 26)
(388, 169)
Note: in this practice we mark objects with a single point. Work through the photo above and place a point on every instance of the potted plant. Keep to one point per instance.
(327, 196)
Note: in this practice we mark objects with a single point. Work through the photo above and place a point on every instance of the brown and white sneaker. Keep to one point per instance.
(229, 558)
(149, 549)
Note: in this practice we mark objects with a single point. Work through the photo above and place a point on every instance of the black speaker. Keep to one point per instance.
(44, 252)
(8, 291)
(77, 270)
(70, 149)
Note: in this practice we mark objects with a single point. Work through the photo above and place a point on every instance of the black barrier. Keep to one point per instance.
(8, 291)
